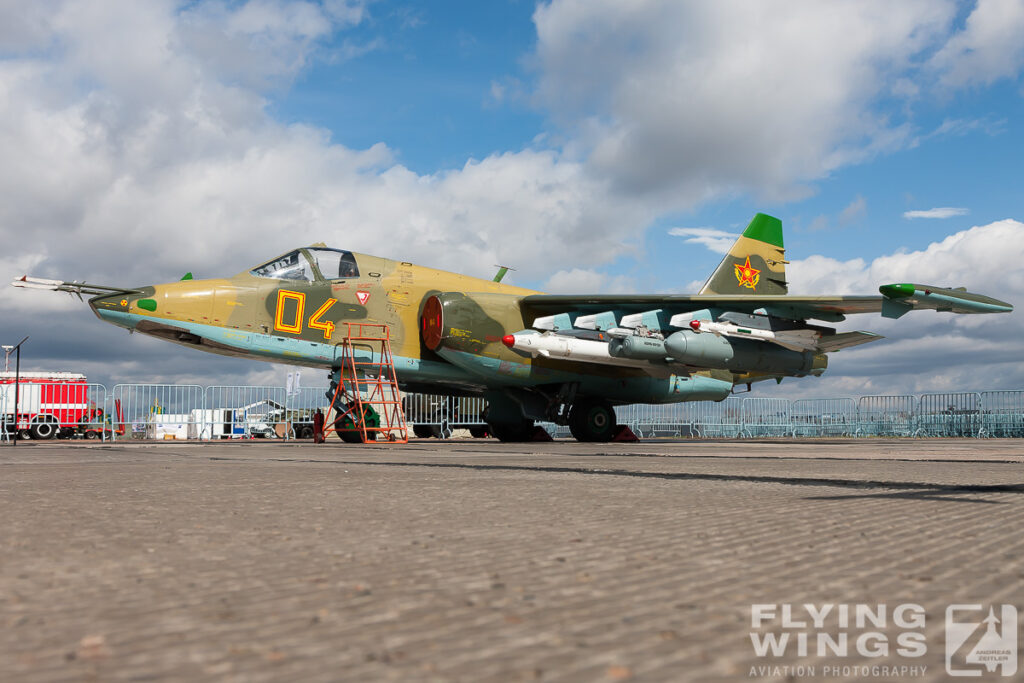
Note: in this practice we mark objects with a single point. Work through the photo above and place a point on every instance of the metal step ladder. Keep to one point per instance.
(366, 384)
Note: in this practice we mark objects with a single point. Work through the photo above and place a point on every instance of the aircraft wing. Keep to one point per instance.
(895, 301)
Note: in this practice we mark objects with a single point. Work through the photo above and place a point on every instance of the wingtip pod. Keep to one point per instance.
(904, 297)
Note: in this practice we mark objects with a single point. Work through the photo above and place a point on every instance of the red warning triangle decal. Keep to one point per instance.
(363, 297)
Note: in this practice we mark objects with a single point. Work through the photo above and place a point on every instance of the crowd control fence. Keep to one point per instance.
(187, 411)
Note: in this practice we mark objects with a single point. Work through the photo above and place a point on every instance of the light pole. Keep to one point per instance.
(17, 382)
(7, 357)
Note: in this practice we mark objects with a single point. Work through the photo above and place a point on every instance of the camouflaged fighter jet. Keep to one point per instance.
(534, 356)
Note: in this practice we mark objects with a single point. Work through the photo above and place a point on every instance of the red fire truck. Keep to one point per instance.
(51, 404)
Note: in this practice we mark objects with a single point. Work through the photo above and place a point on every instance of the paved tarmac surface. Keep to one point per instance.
(480, 561)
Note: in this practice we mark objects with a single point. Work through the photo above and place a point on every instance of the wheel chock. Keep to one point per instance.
(540, 434)
(624, 433)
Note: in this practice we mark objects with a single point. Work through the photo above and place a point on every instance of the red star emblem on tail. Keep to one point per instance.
(747, 275)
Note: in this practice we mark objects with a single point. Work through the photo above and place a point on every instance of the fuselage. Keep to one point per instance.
(295, 309)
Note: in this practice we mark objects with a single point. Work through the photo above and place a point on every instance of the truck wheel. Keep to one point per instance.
(24, 434)
(65, 433)
(43, 430)
(92, 434)
(592, 420)
(305, 432)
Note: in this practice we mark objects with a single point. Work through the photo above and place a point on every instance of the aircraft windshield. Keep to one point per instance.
(291, 266)
(334, 264)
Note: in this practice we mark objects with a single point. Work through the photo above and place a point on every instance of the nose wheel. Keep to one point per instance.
(592, 420)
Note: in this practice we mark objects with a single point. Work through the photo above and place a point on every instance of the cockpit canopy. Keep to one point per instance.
(312, 263)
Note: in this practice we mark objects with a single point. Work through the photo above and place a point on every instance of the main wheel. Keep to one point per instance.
(43, 430)
(592, 420)
(512, 432)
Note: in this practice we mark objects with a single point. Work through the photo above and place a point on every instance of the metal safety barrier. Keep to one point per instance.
(1002, 414)
(439, 416)
(953, 414)
(300, 407)
(242, 412)
(169, 411)
(722, 419)
(656, 420)
(58, 409)
(6, 419)
(157, 411)
(824, 417)
(763, 417)
(886, 416)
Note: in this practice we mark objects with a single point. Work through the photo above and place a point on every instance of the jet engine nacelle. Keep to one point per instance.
(708, 350)
(468, 322)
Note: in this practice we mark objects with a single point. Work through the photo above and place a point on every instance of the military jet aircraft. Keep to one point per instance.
(534, 356)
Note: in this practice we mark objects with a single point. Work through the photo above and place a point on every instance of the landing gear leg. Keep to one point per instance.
(592, 420)
(512, 431)
(505, 418)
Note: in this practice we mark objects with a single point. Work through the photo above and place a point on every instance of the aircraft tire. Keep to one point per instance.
(350, 437)
(422, 431)
(512, 432)
(478, 432)
(592, 420)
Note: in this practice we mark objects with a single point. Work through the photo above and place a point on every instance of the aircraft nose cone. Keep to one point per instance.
(112, 308)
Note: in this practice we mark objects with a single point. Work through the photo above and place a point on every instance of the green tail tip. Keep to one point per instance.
(765, 228)
(187, 276)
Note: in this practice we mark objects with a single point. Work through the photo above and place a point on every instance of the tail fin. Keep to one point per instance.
(756, 263)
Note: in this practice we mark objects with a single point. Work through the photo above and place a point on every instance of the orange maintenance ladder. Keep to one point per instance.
(369, 383)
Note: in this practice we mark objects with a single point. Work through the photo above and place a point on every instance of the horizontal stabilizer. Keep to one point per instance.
(845, 340)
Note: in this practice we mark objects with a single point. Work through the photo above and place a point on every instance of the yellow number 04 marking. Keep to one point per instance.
(300, 305)
(326, 325)
(295, 326)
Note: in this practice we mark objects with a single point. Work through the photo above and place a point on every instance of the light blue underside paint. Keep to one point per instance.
(643, 389)
(295, 351)
(466, 368)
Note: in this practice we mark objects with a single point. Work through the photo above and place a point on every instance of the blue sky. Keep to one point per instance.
(426, 87)
(568, 139)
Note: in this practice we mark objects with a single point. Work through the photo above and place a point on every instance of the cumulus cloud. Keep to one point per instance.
(149, 152)
(138, 144)
(937, 212)
(583, 281)
(926, 351)
(718, 241)
(697, 100)
(987, 49)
